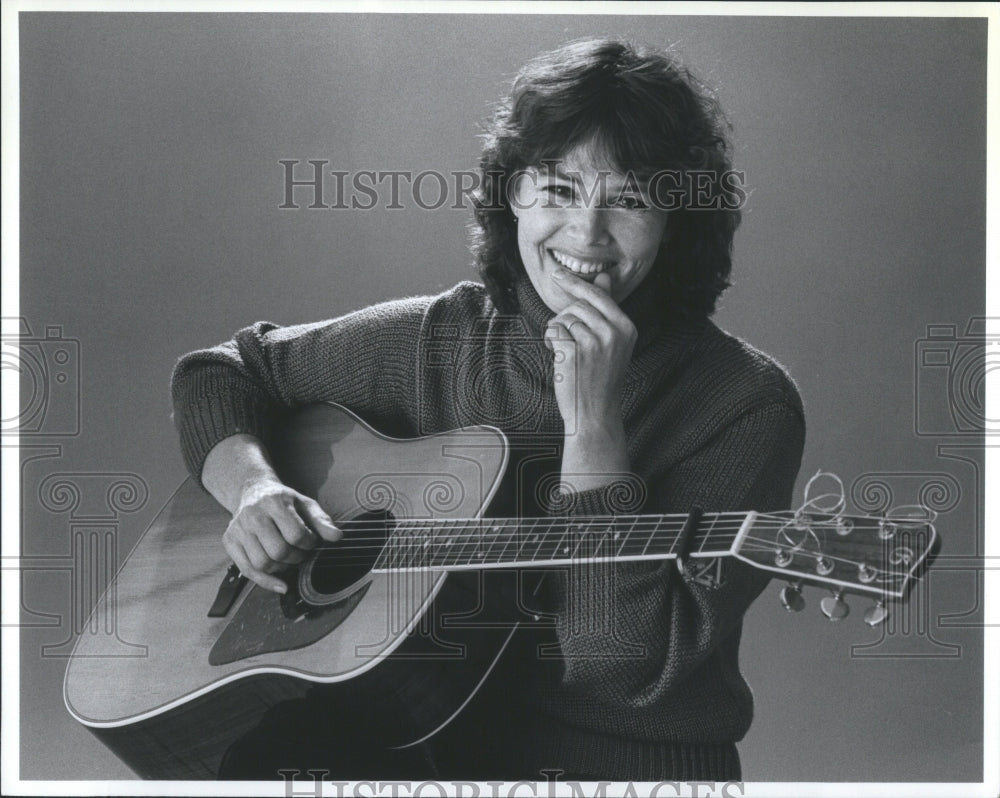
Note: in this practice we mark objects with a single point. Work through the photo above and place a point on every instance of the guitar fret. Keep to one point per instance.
(650, 535)
(634, 543)
(433, 554)
(522, 535)
(627, 535)
(494, 532)
(581, 537)
(462, 544)
(670, 527)
(396, 549)
(443, 545)
(558, 545)
(389, 552)
(708, 532)
(545, 549)
(510, 537)
(468, 554)
(404, 547)
(604, 528)
(588, 544)
(613, 533)
(481, 533)
(415, 550)
(391, 549)
(423, 547)
(532, 542)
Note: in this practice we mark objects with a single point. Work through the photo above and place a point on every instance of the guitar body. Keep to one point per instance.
(395, 644)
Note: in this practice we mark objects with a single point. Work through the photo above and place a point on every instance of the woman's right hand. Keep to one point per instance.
(272, 528)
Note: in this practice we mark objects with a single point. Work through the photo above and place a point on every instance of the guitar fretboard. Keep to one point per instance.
(444, 545)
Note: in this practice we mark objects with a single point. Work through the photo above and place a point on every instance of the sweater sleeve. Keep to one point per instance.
(630, 634)
(365, 360)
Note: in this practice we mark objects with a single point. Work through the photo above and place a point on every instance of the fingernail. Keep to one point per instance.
(558, 275)
(282, 590)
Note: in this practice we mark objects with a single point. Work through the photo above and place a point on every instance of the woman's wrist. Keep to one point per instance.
(595, 454)
(236, 466)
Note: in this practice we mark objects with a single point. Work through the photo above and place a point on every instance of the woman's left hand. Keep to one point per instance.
(592, 341)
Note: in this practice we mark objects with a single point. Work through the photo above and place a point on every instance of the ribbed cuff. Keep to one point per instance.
(625, 495)
(209, 419)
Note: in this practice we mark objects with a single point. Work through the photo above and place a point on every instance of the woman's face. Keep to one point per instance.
(581, 214)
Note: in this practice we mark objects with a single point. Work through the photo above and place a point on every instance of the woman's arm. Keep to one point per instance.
(591, 342)
(273, 526)
(677, 621)
(226, 397)
(365, 360)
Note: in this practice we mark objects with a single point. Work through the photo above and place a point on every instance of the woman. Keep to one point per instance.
(591, 347)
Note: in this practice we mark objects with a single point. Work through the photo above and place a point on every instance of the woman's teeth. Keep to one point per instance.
(580, 266)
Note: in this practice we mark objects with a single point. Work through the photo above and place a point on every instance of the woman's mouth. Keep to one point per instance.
(582, 267)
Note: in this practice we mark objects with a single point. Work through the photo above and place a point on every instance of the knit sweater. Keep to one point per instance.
(647, 684)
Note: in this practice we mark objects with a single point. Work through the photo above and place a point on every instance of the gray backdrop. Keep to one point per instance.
(150, 226)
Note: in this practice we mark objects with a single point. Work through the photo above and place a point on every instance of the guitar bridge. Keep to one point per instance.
(230, 589)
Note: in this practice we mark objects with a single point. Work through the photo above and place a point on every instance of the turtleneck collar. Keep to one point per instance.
(641, 306)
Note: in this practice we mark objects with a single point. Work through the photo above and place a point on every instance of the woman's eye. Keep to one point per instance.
(555, 190)
(630, 203)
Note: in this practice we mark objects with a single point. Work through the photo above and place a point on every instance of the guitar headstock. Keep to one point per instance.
(879, 556)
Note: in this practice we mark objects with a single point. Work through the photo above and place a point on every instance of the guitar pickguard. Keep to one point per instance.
(263, 624)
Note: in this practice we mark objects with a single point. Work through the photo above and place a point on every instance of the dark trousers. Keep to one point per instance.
(304, 734)
(293, 736)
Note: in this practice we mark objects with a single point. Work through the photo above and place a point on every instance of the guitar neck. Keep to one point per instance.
(467, 544)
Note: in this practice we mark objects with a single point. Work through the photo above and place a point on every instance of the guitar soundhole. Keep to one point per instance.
(338, 567)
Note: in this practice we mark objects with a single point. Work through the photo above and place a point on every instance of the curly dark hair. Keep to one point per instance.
(648, 114)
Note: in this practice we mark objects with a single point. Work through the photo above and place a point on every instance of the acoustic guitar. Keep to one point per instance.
(209, 653)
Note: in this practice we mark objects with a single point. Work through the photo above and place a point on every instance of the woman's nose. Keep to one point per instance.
(589, 225)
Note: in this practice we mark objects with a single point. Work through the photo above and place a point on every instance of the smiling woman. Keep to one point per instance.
(590, 347)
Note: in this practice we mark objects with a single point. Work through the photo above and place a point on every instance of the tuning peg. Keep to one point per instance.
(876, 614)
(834, 607)
(791, 597)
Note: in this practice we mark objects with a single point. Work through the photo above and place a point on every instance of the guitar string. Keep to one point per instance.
(477, 525)
(406, 539)
(402, 554)
(489, 535)
(759, 545)
(460, 528)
